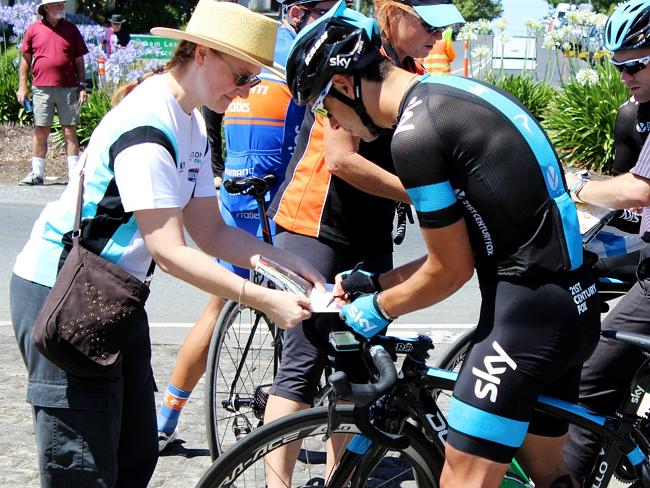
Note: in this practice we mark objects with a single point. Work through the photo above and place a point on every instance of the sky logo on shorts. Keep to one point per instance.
(192, 174)
(488, 380)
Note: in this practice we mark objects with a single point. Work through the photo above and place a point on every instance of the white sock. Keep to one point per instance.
(72, 166)
(38, 166)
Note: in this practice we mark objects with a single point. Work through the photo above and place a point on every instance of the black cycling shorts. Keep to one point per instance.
(532, 339)
(306, 350)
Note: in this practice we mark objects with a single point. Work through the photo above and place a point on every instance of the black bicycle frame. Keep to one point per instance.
(414, 398)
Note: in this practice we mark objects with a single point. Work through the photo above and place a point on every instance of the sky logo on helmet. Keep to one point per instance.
(321, 40)
(340, 61)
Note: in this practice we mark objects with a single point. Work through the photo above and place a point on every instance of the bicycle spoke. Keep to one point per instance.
(242, 371)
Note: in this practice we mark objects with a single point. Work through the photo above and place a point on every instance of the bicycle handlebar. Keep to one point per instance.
(404, 212)
(362, 395)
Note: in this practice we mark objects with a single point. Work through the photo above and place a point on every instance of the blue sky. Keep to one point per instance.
(516, 11)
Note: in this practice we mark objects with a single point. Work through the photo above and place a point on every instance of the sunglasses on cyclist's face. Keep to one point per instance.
(242, 79)
(317, 12)
(632, 66)
(318, 107)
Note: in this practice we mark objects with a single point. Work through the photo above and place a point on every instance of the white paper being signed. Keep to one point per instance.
(321, 299)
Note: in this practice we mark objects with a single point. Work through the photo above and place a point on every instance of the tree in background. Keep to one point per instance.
(141, 15)
(479, 9)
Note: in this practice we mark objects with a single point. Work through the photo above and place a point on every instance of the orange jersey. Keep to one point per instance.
(315, 203)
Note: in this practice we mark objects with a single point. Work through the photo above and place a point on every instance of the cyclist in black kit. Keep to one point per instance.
(490, 195)
(602, 388)
(630, 132)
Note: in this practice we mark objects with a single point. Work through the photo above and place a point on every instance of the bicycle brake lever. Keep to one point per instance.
(362, 420)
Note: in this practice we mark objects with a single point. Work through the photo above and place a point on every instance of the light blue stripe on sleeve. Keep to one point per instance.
(430, 198)
(477, 423)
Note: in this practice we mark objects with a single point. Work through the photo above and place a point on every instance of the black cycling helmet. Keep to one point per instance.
(342, 41)
(629, 26)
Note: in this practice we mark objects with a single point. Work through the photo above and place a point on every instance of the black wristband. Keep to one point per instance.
(359, 282)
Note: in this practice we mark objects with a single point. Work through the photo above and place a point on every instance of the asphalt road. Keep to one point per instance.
(173, 306)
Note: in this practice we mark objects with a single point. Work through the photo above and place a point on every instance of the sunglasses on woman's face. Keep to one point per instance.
(242, 79)
(632, 66)
(431, 30)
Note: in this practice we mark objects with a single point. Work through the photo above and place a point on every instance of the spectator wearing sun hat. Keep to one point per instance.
(116, 35)
(53, 50)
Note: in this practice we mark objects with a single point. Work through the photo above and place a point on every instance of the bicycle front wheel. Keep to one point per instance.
(456, 353)
(418, 465)
(242, 361)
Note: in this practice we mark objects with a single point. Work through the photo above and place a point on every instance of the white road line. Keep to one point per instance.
(171, 325)
(400, 326)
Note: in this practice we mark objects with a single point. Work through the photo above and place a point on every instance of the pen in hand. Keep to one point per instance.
(357, 267)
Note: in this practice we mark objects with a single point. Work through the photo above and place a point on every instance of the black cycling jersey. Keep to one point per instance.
(630, 132)
(465, 148)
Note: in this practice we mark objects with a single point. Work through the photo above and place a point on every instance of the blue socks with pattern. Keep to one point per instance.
(170, 410)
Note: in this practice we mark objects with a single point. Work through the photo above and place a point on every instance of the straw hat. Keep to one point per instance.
(232, 29)
(39, 7)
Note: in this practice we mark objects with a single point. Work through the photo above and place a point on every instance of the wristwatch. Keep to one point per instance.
(576, 186)
(82, 86)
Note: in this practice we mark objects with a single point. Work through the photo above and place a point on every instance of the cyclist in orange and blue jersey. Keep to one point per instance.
(259, 133)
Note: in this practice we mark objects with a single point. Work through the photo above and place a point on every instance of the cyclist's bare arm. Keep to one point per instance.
(448, 265)
(624, 191)
(23, 76)
(343, 160)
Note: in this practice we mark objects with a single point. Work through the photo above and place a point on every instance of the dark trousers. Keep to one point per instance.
(89, 432)
(306, 347)
(607, 373)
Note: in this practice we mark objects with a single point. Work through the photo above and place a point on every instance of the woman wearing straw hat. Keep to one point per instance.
(147, 178)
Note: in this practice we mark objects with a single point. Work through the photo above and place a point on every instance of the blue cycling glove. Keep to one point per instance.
(363, 316)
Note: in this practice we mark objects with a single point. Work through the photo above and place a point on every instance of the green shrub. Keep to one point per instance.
(10, 110)
(97, 105)
(580, 120)
(535, 96)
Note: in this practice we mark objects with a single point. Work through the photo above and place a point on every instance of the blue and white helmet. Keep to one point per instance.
(629, 26)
